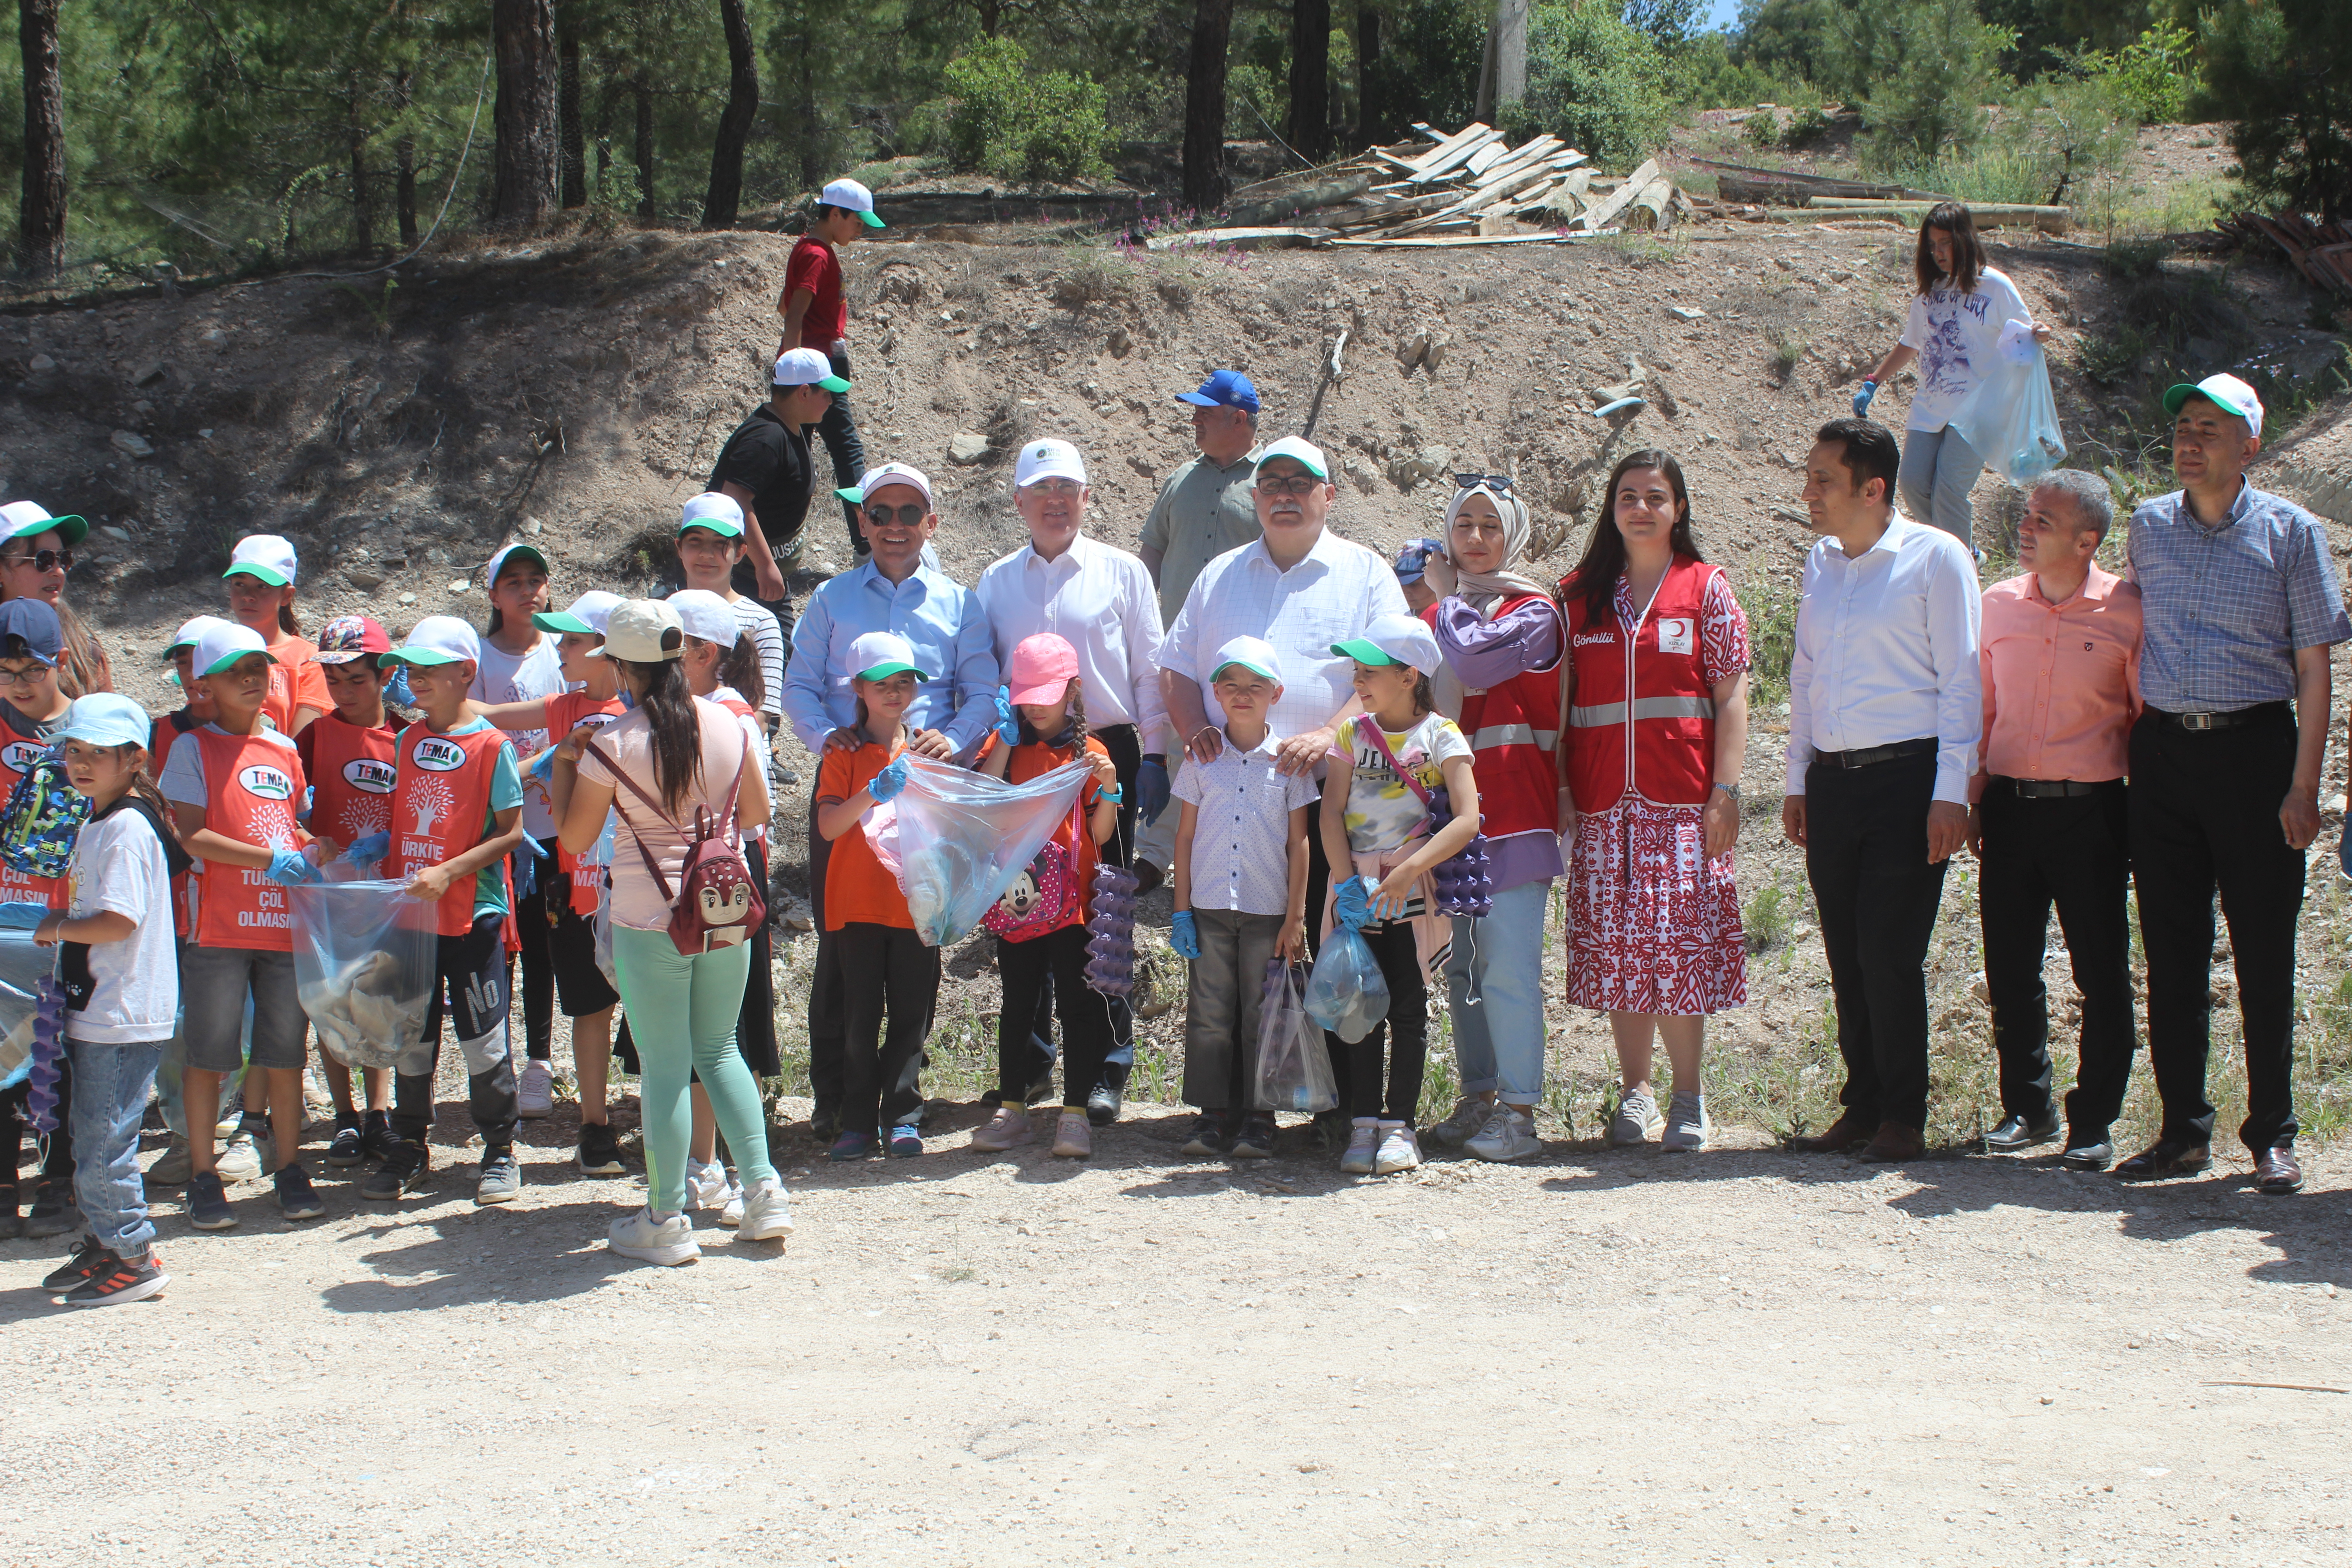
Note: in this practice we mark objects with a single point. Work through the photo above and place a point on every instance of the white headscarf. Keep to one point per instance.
(1484, 591)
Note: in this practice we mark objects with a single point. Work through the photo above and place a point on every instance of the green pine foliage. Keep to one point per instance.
(1025, 126)
(2282, 73)
(1596, 82)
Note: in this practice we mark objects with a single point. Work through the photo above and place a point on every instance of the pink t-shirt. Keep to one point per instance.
(637, 903)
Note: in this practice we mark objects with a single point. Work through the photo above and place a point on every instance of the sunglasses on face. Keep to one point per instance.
(1288, 484)
(48, 560)
(905, 516)
(1477, 481)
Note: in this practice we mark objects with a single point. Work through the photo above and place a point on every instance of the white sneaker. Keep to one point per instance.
(763, 1213)
(238, 1161)
(1074, 1136)
(1363, 1147)
(668, 1242)
(1007, 1128)
(1637, 1120)
(1509, 1134)
(1400, 1149)
(535, 1092)
(1685, 1124)
(1471, 1114)
(706, 1185)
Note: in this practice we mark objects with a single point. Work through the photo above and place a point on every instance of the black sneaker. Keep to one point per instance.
(1209, 1135)
(1255, 1140)
(1103, 1103)
(297, 1198)
(600, 1150)
(53, 1212)
(823, 1124)
(88, 1258)
(344, 1149)
(500, 1179)
(209, 1202)
(11, 1223)
(124, 1279)
(375, 1135)
(403, 1171)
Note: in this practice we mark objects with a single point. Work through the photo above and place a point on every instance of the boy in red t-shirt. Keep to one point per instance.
(816, 316)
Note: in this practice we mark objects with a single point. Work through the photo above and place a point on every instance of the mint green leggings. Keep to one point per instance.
(682, 1012)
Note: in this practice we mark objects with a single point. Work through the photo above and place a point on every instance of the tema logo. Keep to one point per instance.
(266, 782)
(367, 773)
(20, 755)
(438, 756)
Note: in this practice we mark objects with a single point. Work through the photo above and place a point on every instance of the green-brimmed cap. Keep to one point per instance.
(1305, 452)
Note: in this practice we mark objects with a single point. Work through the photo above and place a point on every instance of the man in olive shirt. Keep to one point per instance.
(1205, 510)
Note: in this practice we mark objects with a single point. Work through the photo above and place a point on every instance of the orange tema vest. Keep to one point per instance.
(439, 803)
(1644, 715)
(357, 769)
(567, 710)
(287, 651)
(1514, 733)
(255, 787)
(18, 752)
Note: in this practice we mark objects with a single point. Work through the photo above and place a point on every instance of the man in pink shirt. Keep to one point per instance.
(2047, 818)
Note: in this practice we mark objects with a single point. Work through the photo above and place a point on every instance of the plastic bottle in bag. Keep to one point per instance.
(363, 967)
(1294, 1066)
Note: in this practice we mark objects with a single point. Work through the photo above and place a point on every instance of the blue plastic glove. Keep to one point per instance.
(1349, 906)
(542, 766)
(886, 785)
(290, 868)
(2343, 855)
(367, 851)
(1150, 790)
(1184, 935)
(1008, 723)
(396, 689)
(23, 916)
(1868, 390)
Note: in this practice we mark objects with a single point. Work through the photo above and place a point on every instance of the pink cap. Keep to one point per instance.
(1042, 668)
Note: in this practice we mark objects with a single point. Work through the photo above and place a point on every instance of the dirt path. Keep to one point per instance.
(1734, 1357)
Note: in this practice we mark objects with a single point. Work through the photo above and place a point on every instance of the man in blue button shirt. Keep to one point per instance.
(2240, 606)
(894, 589)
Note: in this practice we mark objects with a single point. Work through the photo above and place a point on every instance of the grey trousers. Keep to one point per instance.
(1221, 1018)
(1938, 472)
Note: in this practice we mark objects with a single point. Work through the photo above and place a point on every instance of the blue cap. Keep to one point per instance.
(1224, 389)
(105, 719)
(1412, 561)
(33, 620)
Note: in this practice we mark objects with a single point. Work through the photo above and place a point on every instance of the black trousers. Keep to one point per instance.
(1866, 856)
(825, 1019)
(1054, 965)
(1036, 1055)
(473, 967)
(889, 981)
(2204, 819)
(1403, 1036)
(540, 893)
(2073, 851)
(838, 430)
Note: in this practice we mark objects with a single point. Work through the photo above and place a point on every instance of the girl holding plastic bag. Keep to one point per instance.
(1041, 923)
(885, 973)
(1954, 332)
(1375, 821)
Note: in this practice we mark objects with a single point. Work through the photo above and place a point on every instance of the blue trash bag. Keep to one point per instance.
(22, 964)
(2012, 420)
(1347, 993)
(956, 839)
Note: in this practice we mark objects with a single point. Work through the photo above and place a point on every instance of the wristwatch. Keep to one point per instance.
(1116, 793)
(1731, 790)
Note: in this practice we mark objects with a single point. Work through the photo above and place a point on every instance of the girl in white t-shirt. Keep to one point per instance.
(1953, 332)
(1377, 824)
(122, 982)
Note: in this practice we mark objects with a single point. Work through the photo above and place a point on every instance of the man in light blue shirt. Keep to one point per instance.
(894, 589)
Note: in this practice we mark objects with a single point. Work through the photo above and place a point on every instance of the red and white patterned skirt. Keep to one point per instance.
(1653, 924)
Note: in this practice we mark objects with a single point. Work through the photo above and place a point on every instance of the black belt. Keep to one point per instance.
(2050, 789)
(2233, 719)
(1870, 756)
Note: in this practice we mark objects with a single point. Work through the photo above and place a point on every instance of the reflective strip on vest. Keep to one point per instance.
(1494, 735)
(1602, 715)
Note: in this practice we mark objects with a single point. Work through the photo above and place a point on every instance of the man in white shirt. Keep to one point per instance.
(1886, 706)
(1100, 601)
(1301, 588)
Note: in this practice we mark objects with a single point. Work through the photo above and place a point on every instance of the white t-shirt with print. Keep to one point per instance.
(119, 867)
(533, 676)
(1382, 809)
(1956, 336)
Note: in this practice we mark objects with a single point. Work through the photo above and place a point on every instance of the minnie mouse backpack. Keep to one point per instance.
(1045, 897)
(715, 903)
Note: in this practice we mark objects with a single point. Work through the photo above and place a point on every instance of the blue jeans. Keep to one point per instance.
(110, 1099)
(1938, 472)
(1494, 982)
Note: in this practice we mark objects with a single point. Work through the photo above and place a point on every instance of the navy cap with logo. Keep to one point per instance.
(31, 625)
(1224, 389)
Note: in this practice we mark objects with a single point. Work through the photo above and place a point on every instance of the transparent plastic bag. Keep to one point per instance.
(957, 839)
(1294, 1065)
(2011, 420)
(363, 967)
(23, 963)
(1347, 993)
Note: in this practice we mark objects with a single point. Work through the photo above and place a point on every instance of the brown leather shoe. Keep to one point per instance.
(2276, 1173)
(1891, 1144)
(2166, 1157)
(1843, 1135)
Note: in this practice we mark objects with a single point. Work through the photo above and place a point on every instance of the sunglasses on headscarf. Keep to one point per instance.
(1482, 481)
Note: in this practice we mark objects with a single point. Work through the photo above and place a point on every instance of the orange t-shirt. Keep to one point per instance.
(857, 887)
(1033, 758)
(295, 681)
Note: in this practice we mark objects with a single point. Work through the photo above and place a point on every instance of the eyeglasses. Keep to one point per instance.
(906, 516)
(26, 676)
(48, 560)
(1482, 481)
(1055, 488)
(1288, 484)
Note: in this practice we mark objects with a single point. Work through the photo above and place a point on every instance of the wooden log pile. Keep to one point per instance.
(2321, 252)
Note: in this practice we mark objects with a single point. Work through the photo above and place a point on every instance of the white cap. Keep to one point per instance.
(223, 643)
(850, 194)
(507, 553)
(1299, 449)
(2228, 391)
(190, 635)
(1254, 654)
(889, 474)
(1048, 460)
(585, 616)
(1394, 640)
(263, 556)
(436, 639)
(715, 511)
(803, 367)
(877, 656)
(705, 615)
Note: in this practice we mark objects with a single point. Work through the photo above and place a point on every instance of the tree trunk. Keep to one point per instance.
(992, 18)
(641, 88)
(575, 138)
(41, 216)
(1510, 52)
(721, 202)
(363, 222)
(1310, 78)
(1204, 105)
(406, 195)
(525, 190)
(1371, 114)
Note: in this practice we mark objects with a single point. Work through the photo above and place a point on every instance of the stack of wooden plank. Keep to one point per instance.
(2321, 252)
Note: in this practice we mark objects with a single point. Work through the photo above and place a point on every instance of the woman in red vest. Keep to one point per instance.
(1656, 732)
(1500, 634)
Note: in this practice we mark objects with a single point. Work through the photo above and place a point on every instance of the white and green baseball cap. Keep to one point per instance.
(263, 556)
(223, 643)
(585, 616)
(435, 639)
(851, 196)
(1299, 450)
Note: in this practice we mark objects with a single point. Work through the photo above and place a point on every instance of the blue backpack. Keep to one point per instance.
(42, 818)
